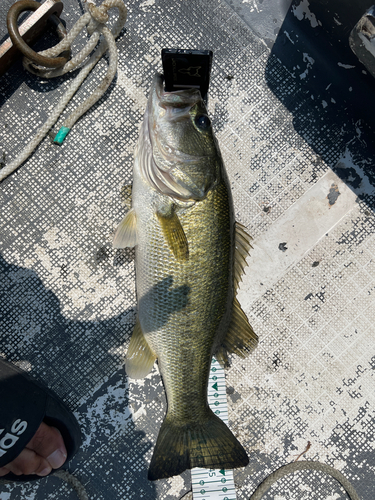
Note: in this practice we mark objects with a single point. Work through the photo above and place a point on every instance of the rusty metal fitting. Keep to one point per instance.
(13, 14)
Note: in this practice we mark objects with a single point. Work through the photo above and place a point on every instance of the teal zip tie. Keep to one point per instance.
(61, 134)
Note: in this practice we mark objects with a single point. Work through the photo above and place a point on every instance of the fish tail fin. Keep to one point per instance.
(209, 444)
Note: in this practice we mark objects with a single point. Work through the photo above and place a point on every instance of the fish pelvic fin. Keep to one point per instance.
(207, 444)
(140, 358)
(240, 338)
(126, 232)
(242, 248)
(173, 232)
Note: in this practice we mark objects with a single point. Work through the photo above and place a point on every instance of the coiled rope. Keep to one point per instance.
(95, 19)
(73, 482)
(294, 467)
(304, 465)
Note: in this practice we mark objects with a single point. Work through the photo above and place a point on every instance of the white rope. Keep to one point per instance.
(74, 483)
(305, 465)
(95, 20)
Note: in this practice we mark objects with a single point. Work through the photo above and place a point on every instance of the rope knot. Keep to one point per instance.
(99, 14)
(95, 20)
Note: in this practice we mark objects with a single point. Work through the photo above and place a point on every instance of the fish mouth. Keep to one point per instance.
(162, 165)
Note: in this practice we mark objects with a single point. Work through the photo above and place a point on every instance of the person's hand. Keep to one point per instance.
(45, 451)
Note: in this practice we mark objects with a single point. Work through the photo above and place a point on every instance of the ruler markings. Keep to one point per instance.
(215, 484)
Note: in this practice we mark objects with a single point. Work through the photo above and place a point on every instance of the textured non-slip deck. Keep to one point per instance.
(301, 165)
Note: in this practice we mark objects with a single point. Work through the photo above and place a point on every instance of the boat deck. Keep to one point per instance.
(293, 115)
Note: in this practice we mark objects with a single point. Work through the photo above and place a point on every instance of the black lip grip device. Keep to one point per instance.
(186, 69)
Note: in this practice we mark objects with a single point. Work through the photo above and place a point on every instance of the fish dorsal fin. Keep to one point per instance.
(240, 338)
(173, 232)
(241, 252)
(126, 232)
(139, 358)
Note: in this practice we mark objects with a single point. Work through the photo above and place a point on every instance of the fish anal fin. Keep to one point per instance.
(240, 338)
(126, 232)
(208, 444)
(140, 358)
(242, 247)
(222, 356)
(173, 233)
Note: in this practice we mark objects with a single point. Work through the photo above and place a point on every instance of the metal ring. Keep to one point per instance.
(13, 14)
(35, 69)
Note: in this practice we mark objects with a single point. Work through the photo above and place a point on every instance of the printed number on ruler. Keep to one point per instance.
(215, 484)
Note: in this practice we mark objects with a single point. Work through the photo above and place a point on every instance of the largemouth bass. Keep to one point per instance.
(190, 255)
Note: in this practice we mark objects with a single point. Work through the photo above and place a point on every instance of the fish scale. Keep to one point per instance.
(203, 275)
(189, 257)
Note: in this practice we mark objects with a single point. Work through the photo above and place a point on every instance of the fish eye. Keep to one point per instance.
(203, 122)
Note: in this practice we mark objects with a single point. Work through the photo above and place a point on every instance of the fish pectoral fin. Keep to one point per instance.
(184, 445)
(126, 232)
(241, 252)
(140, 358)
(173, 233)
(240, 338)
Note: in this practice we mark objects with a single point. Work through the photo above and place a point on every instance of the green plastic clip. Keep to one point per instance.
(61, 134)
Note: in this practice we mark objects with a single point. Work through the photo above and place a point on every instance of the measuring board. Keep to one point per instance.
(215, 484)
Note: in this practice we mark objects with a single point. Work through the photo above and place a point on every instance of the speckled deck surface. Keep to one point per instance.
(302, 172)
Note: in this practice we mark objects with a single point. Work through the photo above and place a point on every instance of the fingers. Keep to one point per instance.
(45, 451)
(27, 462)
(49, 444)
